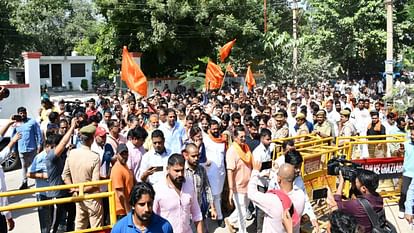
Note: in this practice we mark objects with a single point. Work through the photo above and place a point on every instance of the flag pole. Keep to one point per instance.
(224, 79)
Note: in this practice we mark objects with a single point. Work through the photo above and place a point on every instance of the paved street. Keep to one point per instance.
(27, 219)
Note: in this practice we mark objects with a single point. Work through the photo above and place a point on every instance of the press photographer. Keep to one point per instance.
(366, 183)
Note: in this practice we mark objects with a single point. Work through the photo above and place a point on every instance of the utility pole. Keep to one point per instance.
(265, 15)
(295, 10)
(389, 63)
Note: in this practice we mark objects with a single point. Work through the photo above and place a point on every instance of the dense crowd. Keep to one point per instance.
(179, 157)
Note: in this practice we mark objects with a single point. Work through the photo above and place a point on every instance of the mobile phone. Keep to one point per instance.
(291, 210)
(319, 193)
(159, 168)
(17, 118)
(266, 165)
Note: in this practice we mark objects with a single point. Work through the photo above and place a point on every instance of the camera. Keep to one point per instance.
(347, 168)
(73, 107)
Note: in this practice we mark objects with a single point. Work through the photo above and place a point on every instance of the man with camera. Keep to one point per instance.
(366, 183)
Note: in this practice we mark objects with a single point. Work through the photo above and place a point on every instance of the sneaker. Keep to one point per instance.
(401, 215)
(230, 227)
(23, 186)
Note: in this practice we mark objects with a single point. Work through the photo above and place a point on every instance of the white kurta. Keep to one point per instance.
(216, 172)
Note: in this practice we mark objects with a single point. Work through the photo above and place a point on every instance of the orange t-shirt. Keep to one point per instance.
(121, 177)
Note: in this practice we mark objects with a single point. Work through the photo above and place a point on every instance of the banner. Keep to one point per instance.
(386, 168)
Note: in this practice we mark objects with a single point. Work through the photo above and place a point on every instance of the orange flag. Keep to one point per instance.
(225, 50)
(132, 74)
(229, 69)
(250, 81)
(214, 76)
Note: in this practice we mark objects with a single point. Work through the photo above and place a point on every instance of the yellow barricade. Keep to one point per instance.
(80, 197)
(350, 141)
(301, 141)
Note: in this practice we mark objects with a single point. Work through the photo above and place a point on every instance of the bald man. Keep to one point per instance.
(285, 177)
(272, 204)
(198, 174)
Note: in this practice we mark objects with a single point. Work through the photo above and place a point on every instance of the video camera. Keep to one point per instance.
(73, 107)
(347, 168)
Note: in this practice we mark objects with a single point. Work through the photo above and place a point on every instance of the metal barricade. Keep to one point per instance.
(80, 197)
(301, 141)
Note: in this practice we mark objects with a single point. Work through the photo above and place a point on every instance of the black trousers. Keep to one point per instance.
(260, 213)
(406, 181)
(3, 224)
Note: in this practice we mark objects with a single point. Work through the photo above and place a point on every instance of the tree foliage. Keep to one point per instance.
(336, 38)
(53, 26)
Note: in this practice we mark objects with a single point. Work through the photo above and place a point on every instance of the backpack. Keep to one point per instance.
(378, 221)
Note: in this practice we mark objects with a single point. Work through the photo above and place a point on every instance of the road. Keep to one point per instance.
(27, 219)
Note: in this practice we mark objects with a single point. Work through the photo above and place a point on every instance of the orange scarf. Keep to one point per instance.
(377, 126)
(221, 139)
(244, 153)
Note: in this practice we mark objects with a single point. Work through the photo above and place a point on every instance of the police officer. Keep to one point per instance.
(82, 165)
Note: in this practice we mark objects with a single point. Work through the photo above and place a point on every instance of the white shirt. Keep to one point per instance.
(334, 117)
(298, 182)
(263, 154)
(4, 154)
(216, 172)
(154, 159)
(102, 168)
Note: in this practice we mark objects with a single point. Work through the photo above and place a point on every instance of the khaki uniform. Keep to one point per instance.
(303, 129)
(348, 129)
(325, 128)
(82, 165)
(283, 132)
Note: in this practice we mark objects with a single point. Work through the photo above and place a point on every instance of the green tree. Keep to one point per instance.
(173, 34)
(53, 26)
(11, 41)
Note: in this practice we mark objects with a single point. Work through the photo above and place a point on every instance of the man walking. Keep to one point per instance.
(238, 160)
(176, 200)
(30, 144)
(122, 181)
(196, 172)
(263, 153)
(215, 146)
(142, 216)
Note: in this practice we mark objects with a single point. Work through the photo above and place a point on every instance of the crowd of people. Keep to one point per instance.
(179, 157)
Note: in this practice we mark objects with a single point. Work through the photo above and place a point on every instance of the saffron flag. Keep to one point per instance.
(229, 69)
(214, 76)
(225, 50)
(250, 81)
(132, 75)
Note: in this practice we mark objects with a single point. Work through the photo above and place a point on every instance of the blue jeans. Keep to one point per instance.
(45, 214)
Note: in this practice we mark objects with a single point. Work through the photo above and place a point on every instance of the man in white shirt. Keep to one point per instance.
(361, 118)
(215, 146)
(263, 153)
(174, 133)
(154, 162)
(332, 116)
(6, 220)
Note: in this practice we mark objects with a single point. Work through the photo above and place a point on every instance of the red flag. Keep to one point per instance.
(229, 69)
(214, 76)
(225, 50)
(132, 74)
(250, 81)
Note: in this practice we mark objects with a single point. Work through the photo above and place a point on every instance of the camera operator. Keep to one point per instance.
(366, 183)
